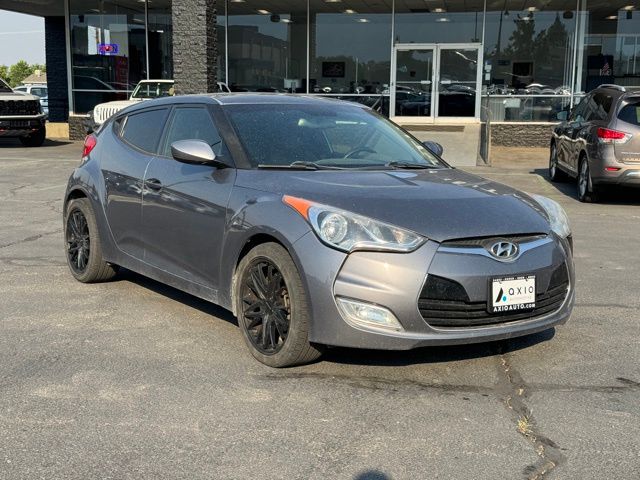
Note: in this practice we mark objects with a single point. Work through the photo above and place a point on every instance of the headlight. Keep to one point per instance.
(349, 231)
(557, 216)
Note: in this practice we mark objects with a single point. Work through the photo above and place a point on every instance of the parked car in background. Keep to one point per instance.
(145, 90)
(21, 116)
(316, 222)
(39, 90)
(598, 142)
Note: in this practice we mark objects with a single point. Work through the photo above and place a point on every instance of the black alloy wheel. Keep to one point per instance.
(83, 246)
(266, 307)
(78, 241)
(271, 303)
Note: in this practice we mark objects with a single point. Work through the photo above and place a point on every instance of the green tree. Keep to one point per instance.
(18, 72)
(4, 73)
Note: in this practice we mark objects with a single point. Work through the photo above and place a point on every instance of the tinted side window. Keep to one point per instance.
(192, 123)
(143, 130)
(601, 106)
(578, 113)
(630, 113)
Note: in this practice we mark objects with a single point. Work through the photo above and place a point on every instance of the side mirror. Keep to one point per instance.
(195, 152)
(434, 147)
(562, 116)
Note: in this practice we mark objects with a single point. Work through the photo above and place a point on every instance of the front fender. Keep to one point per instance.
(255, 214)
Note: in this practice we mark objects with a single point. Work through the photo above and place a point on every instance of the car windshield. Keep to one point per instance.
(325, 136)
(4, 88)
(153, 90)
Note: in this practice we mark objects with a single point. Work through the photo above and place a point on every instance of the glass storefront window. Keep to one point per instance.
(349, 49)
(108, 50)
(455, 21)
(611, 49)
(160, 34)
(529, 51)
(267, 49)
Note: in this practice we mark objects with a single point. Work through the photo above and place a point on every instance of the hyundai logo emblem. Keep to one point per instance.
(504, 250)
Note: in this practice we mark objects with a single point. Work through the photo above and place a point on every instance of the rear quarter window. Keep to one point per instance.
(142, 130)
(630, 113)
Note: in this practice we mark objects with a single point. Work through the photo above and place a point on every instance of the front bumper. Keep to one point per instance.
(19, 126)
(396, 281)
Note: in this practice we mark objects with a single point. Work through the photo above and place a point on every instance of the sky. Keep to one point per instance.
(21, 38)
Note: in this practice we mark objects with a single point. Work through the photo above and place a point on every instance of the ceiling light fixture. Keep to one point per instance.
(439, 10)
(286, 20)
(363, 20)
(442, 20)
(628, 8)
(263, 12)
(350, 11)
(611, 17)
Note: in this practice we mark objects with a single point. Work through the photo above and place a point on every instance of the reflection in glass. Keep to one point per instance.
(414, 83)
(267, 48)
(457, 82)
(529, 51)
(611, 52)
(108, 50)
(160, 40)
(350, 49)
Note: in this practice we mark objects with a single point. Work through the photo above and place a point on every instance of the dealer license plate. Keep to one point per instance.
(512, 293)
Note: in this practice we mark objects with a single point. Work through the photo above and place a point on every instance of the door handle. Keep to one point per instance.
(153, 184)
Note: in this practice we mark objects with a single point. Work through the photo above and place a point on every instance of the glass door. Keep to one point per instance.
(412, 90)
(436, 81)
(458, 81)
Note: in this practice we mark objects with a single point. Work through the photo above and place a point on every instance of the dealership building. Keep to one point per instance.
(498, 69)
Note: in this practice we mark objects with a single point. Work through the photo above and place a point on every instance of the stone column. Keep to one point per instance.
(195, 50)
(56, 58)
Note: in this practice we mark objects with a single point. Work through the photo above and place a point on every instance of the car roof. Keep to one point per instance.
(250, 98)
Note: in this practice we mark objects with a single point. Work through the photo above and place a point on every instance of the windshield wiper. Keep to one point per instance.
(408, 165)
(300, 165)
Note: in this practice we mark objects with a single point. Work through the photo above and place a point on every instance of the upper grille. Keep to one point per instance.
(19, 107)
(445, 303)
(484, 242)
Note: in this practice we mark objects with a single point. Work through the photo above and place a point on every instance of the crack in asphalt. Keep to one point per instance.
(31, 238)
(511, 390)
(514, 392)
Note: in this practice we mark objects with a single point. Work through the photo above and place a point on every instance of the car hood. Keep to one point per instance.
(17, 96)
(441, 204)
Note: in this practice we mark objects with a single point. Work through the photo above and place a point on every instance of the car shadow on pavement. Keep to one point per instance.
(434, 354)
(14, 142)
(176, 295)
(614, 195)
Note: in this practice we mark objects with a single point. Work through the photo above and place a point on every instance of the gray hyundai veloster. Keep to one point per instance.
(316, 222)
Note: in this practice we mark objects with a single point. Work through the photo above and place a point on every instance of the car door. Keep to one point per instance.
(126, 153)
(185, 205)
(567, 150)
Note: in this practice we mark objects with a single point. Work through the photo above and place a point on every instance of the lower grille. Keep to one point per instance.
(445, 303)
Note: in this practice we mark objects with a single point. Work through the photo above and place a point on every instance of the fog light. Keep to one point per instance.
(367, 315)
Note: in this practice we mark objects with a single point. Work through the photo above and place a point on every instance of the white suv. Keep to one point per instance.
(39, 90)
(145, 90)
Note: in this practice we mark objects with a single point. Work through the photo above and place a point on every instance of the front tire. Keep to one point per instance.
(272, 308)
(36, 139)
(83, 246)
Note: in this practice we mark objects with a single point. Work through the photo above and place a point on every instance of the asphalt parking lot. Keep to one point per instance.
(132, 379)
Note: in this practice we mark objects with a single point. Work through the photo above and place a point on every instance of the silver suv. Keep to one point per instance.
(599, 142)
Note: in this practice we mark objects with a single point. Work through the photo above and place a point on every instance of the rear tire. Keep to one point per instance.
(587, 193)
(272, 308)
(36, 139)
(555, 174)
(83, 247)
